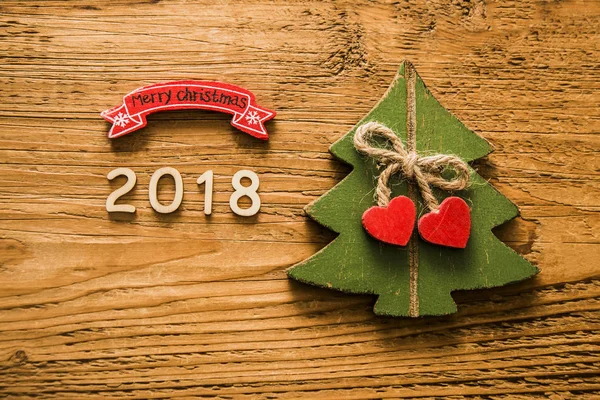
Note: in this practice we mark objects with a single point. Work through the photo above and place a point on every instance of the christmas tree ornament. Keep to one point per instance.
(407, 126)
(183, 95)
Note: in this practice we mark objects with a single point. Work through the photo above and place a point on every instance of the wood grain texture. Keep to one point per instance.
(184, 305)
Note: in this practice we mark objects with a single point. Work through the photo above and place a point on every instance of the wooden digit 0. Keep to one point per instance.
(153, 190)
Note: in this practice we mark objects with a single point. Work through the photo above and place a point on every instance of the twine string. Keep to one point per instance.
(426, 171)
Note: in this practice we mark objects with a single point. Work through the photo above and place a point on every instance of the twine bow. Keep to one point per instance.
(424, 170)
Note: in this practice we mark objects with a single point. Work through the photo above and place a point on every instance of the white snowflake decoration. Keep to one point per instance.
(253, 118)
(121, 120)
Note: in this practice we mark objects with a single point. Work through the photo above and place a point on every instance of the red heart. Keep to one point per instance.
(392, 224)
(449, 225)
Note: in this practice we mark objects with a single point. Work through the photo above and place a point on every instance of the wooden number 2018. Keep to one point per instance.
(206, 179)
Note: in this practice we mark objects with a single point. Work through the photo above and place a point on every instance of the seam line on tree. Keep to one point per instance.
(411, 144)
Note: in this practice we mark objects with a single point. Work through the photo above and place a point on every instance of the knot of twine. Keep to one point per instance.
(426, 171)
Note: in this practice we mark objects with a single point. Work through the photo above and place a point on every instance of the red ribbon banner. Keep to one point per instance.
(181, 95)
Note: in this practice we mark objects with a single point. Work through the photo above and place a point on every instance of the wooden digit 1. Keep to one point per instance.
(207, 179)
(241, 190)
(153, 190)
(126, 188)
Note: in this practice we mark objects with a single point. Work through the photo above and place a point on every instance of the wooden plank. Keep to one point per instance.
(184, 305)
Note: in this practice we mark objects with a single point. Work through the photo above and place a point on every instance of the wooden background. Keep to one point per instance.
(152, 306)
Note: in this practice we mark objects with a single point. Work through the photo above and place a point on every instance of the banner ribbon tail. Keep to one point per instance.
(123, 123)
(252, 121)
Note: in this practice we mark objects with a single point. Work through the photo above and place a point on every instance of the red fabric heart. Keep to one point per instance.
(392, 224)
(449, 225)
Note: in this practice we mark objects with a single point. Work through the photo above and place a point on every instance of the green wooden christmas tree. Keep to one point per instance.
(416, 279)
